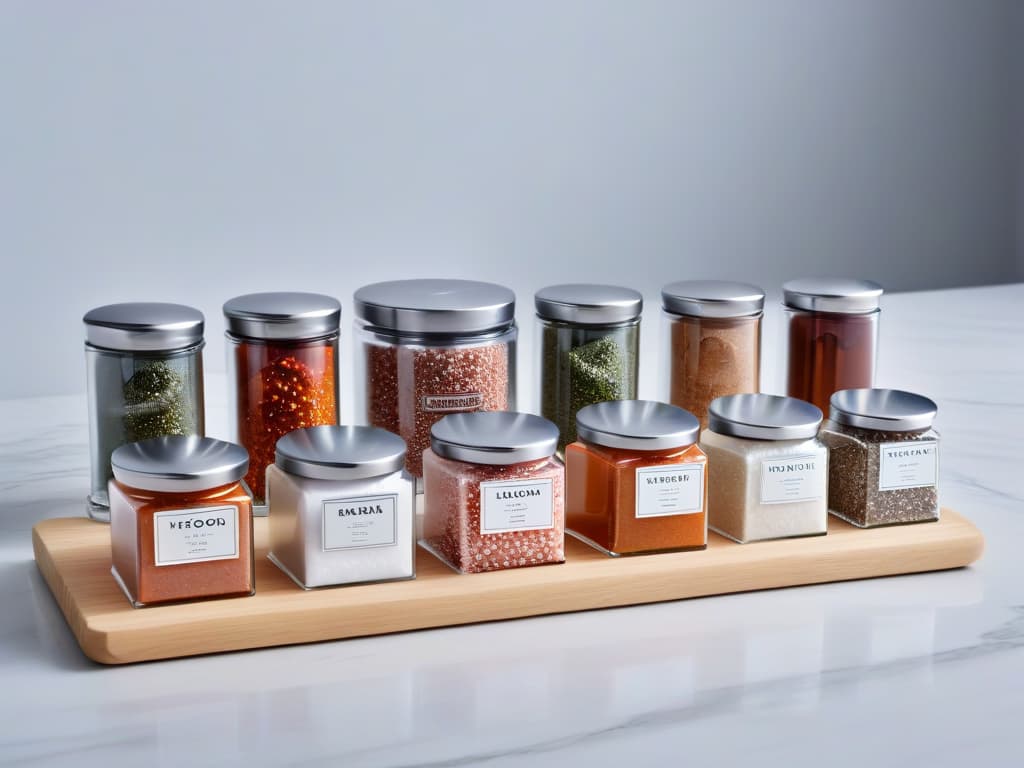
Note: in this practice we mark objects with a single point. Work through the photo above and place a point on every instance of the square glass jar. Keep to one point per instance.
(769, 471)
(181, 521)
(636, 479)
(884, 457)
(494, 495)
(341, 507)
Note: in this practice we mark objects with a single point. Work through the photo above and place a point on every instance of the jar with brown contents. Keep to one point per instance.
(180, 520)
(282, 372)
(832, 336)
(428, 348)
(713, 342)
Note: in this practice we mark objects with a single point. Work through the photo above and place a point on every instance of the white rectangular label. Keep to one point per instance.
(671, 490)
(195, 535)
(907, 465)
(516, 505)
(470, 401)
(796, 478)
(360, 522)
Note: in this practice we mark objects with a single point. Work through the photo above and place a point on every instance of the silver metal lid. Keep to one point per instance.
(763, 417)
(340, 453)
(888, 410)
(179, 464)
(712, 298)
(642, 425)
(282, 315)
(588, 304)
(493, 437)
(436, 306)
(146, 326)
(832, 294)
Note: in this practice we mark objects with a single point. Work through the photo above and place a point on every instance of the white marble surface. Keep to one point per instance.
(916, 670)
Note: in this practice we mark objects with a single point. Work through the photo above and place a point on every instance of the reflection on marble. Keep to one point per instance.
(916, 669)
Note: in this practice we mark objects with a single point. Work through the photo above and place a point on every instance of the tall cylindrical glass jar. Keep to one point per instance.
(589, 350)
(712, 332)
(832, 336)
(144, 366)
(428, 348)
(282, 372)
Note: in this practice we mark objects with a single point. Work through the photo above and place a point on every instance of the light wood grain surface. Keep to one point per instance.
(73, 555)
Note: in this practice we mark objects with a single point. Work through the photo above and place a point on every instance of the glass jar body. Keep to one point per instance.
(405, 384)
(628, 502)
(175, 547)
(882, 478)
(709, 357)
(276, 387)
(584, 364)
(335, 532)
(135, 396)
(766, 489)
(827, 352)
(482, 517)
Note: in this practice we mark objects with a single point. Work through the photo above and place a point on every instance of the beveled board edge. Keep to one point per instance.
(590, 581)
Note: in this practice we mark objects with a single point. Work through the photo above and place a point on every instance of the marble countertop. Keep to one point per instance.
(925, 669)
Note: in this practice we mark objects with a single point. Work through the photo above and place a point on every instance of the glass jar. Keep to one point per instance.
(429, 348)
(495, 492)
(181, 521)
(144, 364)
(832, 336)
(883, 457)
(635, 480)
(282, 372)
(712, 333)
(769, 471)
(342, 507)
(589, 350)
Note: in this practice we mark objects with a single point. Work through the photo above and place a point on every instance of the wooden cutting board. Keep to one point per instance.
(73, 555)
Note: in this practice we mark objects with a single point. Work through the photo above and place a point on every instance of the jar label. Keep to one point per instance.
(516, 505)
(469, 401)
(360, 522)
(195, 535)
(669, 490)
(908, 465)
(793, 479)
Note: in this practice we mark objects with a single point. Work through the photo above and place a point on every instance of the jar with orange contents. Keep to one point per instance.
(282, 372)
(636, 479)
(180, 520)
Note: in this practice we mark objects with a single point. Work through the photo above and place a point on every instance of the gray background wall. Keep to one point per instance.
(192, 151)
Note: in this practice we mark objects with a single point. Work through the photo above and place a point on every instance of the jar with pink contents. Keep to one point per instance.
(494, 493)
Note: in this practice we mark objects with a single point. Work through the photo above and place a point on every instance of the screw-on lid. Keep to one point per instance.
(143, 327)
(888, 410)
(179, 464)
(282, 315)
(340, 453)
(493, 437)
(832, 294)
(436, 306)
(763, 417)
(588, 304)
(642, 425)
(712, 298)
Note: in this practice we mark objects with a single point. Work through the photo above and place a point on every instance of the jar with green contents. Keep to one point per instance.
(589, 350)
(144, 365)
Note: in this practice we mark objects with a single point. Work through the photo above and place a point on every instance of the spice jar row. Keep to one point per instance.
(640, 479)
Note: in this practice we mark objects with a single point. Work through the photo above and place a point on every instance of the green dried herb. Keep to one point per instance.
(156, 403)
(595, 376)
